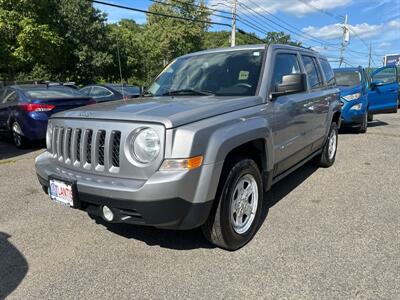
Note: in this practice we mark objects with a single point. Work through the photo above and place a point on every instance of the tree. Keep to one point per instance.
(166, 38)
(280, 38)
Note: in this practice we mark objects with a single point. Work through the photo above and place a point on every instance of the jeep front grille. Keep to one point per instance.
(87, 148)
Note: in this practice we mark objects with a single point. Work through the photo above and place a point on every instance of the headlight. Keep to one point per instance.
(352, 97)
(49, 134)
(145, 145)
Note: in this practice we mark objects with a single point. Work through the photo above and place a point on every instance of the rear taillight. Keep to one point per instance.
(91, 102)
(32, 107)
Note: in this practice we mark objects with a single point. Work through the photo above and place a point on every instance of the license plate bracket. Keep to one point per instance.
(63, 191)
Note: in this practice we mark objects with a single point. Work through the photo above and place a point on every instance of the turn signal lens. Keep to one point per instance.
(182, 164)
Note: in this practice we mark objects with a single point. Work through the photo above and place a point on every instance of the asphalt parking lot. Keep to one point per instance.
(327, 233)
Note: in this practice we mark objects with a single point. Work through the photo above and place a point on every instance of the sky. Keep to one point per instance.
(315, 23)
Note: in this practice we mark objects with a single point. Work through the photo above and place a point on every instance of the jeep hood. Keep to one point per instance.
(170, 111)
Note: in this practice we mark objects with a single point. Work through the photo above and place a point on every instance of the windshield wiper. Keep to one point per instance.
(188, 92)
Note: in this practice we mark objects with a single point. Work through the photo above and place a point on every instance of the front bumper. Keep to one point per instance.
(353, 117)
(178, 200)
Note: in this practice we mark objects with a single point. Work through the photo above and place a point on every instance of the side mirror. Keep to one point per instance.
(293, 83)
(376, 83)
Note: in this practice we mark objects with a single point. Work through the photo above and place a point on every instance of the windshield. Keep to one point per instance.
(233, 73)
(347, 78)
(130, 90)
(53, 93)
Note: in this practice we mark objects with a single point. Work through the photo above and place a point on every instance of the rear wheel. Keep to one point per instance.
(235, 217)
(328, 155)
(17, 136)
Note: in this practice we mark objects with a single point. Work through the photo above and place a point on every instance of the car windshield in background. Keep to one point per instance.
(130, 90)
(53, 93)
(347, 78)
(233, 73)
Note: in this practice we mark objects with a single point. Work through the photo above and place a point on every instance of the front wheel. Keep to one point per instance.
(370, 117)
(364, 125)
(235, 217)
(328, 155)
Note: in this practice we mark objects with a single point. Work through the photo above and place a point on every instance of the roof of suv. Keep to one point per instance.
(256, 47)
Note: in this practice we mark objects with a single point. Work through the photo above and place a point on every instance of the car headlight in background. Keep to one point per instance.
(352, 97)
(145, 145)
(356, 107)
(49, 134)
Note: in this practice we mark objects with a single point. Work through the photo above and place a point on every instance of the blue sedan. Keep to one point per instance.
(25, 109)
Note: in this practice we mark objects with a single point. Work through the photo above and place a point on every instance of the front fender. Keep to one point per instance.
(214, 138)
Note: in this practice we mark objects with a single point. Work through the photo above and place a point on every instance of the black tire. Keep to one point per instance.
(219, 227)
(17, 137)
(364, 125)
(370, 117)
(325, 159)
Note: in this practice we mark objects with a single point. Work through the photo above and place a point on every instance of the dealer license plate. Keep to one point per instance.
(61, 192)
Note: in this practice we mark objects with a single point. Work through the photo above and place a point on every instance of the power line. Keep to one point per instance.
(158, 14)
(299, 31)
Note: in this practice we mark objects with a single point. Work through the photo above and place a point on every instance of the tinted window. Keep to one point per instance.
(221, 73)
(285, 64)
(129, 90)
(328, 72)
(86, 90)
(387, 75)
(312, 72)
(10, 97)
(347, 78)
(55, 92)
(98, 91)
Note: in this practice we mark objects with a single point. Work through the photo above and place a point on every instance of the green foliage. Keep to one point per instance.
(70, 40)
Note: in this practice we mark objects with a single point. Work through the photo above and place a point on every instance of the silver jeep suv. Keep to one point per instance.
(213, 132)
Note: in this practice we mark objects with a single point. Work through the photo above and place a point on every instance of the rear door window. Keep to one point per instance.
(328, 72)
(285, 64)
(98, 91)
(311, 68)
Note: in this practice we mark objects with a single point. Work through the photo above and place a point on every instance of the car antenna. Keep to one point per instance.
(120, 69)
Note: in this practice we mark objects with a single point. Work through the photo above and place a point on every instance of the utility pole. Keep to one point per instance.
(345, 40)
(369, 57)
(233, 32)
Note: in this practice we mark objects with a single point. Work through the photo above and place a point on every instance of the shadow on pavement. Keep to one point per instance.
(13, 266)
(377, 123)
(171, 239)
(8, 150)
(193, 239)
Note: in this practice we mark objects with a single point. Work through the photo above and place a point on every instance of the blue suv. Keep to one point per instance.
(362, 97)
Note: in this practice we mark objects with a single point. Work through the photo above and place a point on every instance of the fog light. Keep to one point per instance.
(356, 107)
(108, 215)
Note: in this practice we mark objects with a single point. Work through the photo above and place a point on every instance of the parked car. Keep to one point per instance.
(362, 99)
(354, 86)
(111, 91)
(25, 109)
(217, 129)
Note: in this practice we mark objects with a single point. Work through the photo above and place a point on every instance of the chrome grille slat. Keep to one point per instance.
(60, 141)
